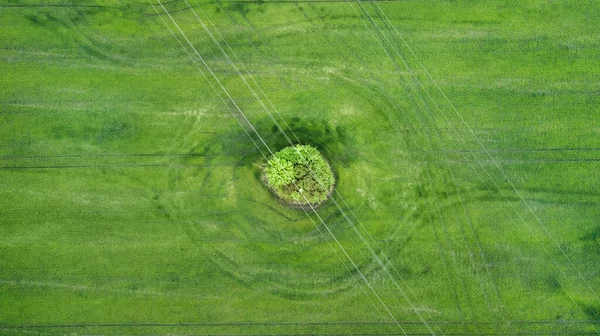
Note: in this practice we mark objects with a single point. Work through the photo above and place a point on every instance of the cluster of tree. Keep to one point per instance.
(300, 175)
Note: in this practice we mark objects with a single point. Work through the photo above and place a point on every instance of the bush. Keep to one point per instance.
(299, 175)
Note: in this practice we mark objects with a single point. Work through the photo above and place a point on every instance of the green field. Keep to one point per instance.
(464, 136)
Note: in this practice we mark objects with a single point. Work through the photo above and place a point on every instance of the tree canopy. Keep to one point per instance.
(299, 175)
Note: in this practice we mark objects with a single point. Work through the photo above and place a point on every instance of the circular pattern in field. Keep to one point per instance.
(224, 207)
(299, 176)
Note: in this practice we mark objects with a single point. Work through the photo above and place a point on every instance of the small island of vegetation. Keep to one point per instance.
(300, 176)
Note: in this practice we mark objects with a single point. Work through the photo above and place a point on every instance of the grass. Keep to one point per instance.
(132, 204)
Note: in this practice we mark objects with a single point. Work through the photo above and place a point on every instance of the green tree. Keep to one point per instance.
(299, 175)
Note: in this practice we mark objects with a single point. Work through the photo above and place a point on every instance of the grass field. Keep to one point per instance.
(465, 137)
